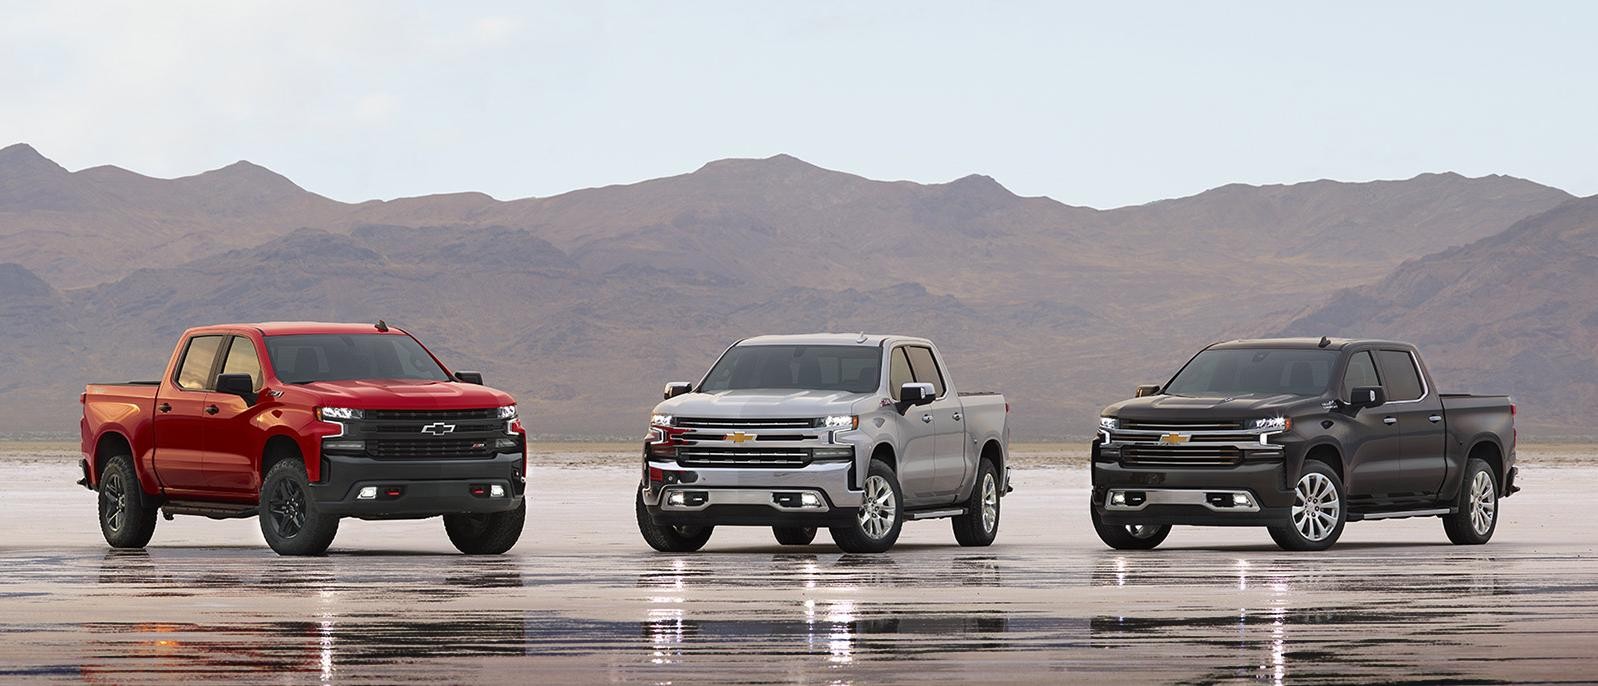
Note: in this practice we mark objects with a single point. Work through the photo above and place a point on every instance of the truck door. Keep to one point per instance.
(180, 417)
(231, 442)
(1375, 451)
(917, 464)
(948, 425)
(1420, 422)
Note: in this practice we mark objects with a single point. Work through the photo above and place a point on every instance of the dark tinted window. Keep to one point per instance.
(194, 373)
(1403, 379)
(241, 359)
(899, 372)
(1361, 372)
(1255, 371)
(926, 370)
(340, 357)
(855, 369)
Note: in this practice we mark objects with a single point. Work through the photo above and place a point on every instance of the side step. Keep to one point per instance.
(934, 514)
(1434, 512)
(212, 510)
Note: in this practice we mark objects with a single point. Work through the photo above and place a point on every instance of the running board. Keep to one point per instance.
(1356, 517)
(212, 510)
(935, 514)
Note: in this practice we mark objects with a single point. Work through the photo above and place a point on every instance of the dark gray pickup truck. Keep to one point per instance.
(1301, 436)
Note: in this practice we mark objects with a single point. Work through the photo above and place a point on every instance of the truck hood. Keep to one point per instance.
(1179, 408)
(758, 403)
(404, 394)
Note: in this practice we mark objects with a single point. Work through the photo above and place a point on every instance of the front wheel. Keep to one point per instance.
(1477, 517)
(126, 519)
(1129, 536)
(670, 539)
(876, 525)
(291, 522)
(1316, 519)
(492, 533)
(980, 523)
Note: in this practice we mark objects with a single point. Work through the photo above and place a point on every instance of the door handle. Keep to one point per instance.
(926, 418)
(957, 416)
(1435, 418)
(211, 409)
(1389, 420)
(164, 407)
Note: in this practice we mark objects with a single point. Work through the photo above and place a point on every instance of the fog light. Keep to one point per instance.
(677, 498)
(1241, 500)
(496, 491)
(1117, 498)
(367, 493)
(809, 500)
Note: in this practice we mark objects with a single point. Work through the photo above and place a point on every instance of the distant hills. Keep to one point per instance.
(584, 303)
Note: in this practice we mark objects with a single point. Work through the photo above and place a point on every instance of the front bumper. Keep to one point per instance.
(817, 494)
(1189, 495)
(416, 488)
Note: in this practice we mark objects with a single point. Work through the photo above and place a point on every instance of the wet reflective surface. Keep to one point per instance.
(581, 600)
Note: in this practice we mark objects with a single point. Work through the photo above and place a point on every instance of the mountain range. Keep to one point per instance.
(583, 304)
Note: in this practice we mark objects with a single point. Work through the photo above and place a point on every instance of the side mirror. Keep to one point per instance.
(469, 377)
(913, 394)
(677, 388)
(240, 385)
(1147, 389)
(1367, 396)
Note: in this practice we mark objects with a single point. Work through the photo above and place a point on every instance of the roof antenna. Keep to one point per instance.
(382, 326)
(1324, 342)
(862, 338)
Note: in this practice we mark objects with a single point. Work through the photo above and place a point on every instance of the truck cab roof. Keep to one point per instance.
(1304, 343)
(861, 339)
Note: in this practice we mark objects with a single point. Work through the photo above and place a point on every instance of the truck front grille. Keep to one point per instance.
(743, 457)
(746, 423)
(397, 448)
(1161, 425)
(1181, 455)
(401, 434)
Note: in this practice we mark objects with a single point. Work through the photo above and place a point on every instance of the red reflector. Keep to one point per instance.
(478, 490)
(656, 474)
(392, 492)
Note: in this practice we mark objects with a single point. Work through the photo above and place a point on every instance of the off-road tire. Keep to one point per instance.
(1463, 527)
(854, 538)
(975, 528)
(490, 533)
(127, 518)
(794, 535)
(670, 539)
(1289, 534)
(1128, 537)
(284, 494)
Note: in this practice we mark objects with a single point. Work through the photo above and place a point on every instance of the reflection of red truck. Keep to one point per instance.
(304, 423)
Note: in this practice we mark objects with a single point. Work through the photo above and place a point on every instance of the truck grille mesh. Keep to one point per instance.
(743, 457)
(746, 423)
(1184, 455)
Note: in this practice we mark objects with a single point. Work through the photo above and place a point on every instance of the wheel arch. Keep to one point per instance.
(1329, 453)
(279, 447)
(1487, 449)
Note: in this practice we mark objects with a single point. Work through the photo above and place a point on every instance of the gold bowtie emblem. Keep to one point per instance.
(1173, 439)
(740, 437)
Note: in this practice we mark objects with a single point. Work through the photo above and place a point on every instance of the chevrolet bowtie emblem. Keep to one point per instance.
(740, 437)
(1173, 439)
(438, 428)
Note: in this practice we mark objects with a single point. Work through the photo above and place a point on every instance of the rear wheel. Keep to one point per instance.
(291, 522)
(1316, 519)
(1129, 536)
(794, 535)
(876, 525)
(670, 539)
(491, 533)
(980, 523)
(126, 520)
(1477, 517)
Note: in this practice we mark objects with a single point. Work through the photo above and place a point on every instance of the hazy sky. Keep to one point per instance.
(1099, 103)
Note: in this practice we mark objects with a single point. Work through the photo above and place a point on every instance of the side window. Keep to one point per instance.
(925, 368)
(1403, 379)
(194, 370)
(899, 372)
(1361, 372)
(242, 359)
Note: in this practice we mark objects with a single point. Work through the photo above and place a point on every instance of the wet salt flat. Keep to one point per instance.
(582, 600)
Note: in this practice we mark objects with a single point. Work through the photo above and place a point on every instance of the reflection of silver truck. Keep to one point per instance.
(855, 433)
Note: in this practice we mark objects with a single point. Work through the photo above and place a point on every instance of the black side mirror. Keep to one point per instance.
(913, 394)
(1367, 396)
(1147, 389)
(240, 385)
(677, 388)
(469, 377)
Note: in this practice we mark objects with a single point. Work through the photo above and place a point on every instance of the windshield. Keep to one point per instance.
(340, 357)
(1255, 371)
(852, 368)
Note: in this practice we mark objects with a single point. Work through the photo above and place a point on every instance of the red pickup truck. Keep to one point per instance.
(304, 423)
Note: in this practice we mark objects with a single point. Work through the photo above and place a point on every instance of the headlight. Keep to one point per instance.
(1273, 424)
(843, 422)
(340, 413)
(507, 412)
(660, 420)
(1110, 423)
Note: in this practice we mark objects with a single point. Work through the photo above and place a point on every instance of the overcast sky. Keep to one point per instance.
(1099, 103)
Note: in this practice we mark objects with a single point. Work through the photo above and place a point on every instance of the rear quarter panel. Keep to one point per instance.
(126, 411)
(1473, 420)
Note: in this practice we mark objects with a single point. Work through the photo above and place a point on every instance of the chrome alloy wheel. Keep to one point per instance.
(1316, 507)
(879, 511)
(115, 496)
(1483, 503)
(990, 503)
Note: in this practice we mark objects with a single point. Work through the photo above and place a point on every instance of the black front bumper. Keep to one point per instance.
(416, 488)
(1265, 480)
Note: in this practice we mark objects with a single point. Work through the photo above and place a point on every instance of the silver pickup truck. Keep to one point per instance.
(855, 433)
